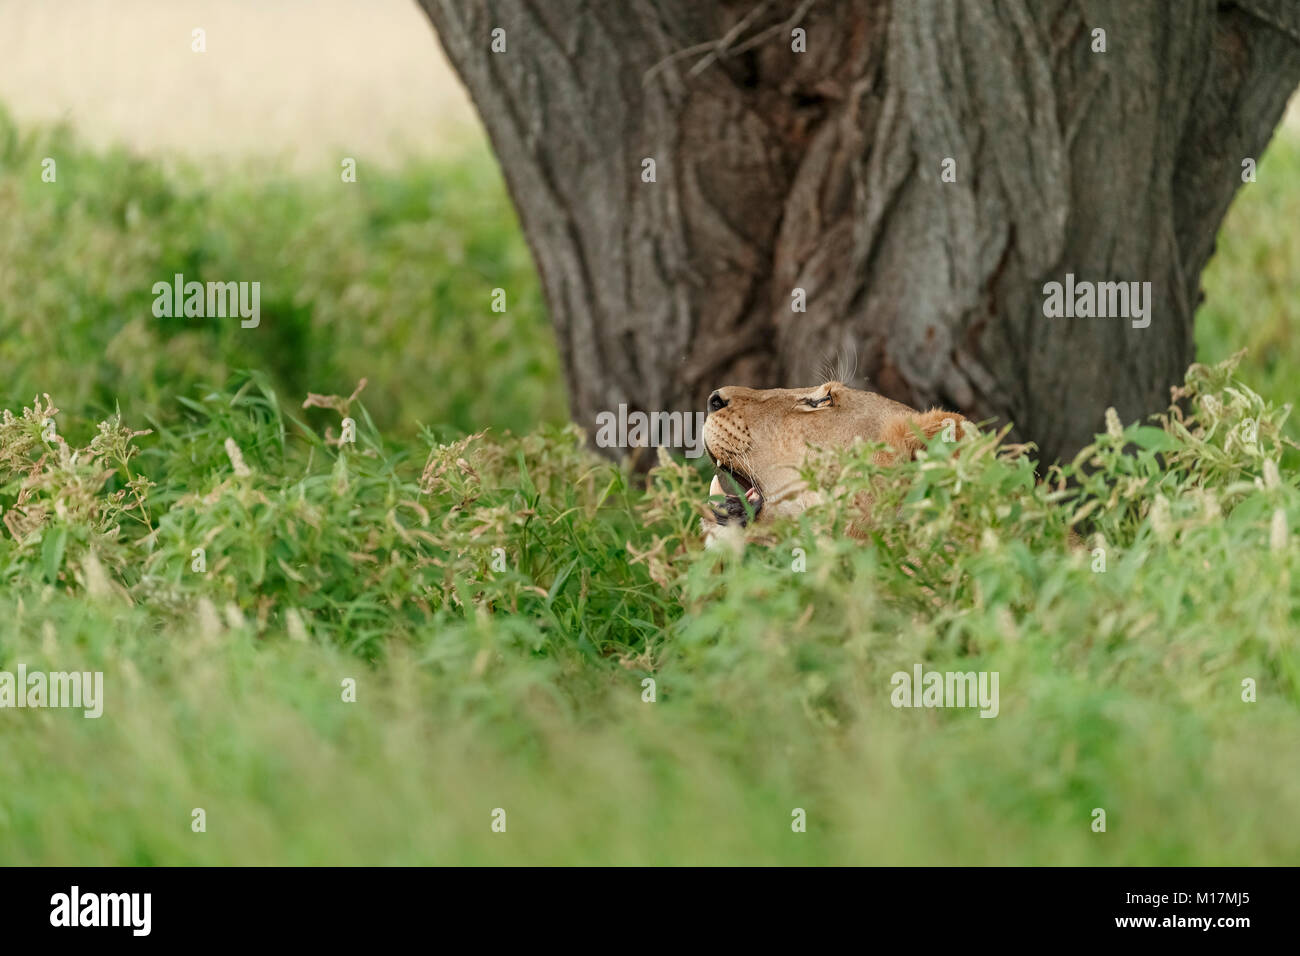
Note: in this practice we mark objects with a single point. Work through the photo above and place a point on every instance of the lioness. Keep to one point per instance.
(758, 438)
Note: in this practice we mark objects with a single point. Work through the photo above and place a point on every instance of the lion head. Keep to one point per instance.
(758, 439)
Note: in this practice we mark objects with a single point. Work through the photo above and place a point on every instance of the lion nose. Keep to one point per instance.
(716, 402)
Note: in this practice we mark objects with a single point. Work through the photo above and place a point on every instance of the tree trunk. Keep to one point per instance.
(778, 170)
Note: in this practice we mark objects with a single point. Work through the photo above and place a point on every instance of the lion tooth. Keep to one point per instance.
(715, 487)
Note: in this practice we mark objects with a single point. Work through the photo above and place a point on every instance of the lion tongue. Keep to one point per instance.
(715, 488)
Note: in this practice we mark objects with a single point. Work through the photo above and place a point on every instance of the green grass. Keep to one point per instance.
(1252, 285)
(389, 278)
(513, 678)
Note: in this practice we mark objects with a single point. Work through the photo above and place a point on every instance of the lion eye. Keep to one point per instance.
(814, 402)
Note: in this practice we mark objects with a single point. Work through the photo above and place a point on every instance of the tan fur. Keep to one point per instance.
(909, 433)
(766, 434)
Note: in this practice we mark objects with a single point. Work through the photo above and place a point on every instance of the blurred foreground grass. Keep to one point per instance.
(501, 601)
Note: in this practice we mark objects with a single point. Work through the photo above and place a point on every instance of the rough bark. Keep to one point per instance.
(822, 171)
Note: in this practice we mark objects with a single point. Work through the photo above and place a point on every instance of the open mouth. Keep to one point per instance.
(742, 498)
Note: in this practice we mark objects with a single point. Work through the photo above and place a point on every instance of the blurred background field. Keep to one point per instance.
(282, 82)
(523, 688)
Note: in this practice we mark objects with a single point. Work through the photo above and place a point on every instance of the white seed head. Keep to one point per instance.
(237, 459)
(1271, 477)
(1113, 428)
(1278, 533)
